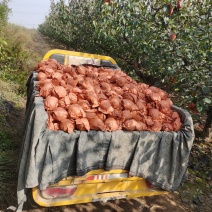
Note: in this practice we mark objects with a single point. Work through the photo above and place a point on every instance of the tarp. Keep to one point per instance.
(48, 156)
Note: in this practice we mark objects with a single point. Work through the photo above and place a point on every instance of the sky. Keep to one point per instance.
(28, 13)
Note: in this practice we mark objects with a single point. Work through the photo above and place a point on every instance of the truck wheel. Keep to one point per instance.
(30, 203)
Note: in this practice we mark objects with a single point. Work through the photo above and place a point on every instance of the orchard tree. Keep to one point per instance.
(166, 40)
(4, 12)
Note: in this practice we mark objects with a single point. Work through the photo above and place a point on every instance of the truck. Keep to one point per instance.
(58, 168)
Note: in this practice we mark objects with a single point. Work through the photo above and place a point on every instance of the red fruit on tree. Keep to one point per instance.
(179, 3)
(192, 106)
(170, 9)
(172, 37)
(108, 1)
(135, 65)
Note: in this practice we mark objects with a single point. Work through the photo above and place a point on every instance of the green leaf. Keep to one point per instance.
(94, 23)
(207, 100)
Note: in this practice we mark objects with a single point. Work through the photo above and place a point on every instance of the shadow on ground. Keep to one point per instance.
(169, 202)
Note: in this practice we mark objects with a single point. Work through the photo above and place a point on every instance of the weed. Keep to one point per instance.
(5, 141)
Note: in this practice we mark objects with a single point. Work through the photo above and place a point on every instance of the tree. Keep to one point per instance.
(4, 11)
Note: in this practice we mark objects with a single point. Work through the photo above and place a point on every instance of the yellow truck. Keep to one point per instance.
(97, 184)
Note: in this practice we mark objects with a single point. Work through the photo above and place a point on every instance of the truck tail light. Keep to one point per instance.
(58, 192)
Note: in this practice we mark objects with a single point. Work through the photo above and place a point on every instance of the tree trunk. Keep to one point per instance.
(207, 132)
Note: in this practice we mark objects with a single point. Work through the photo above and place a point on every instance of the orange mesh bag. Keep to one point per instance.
(126, 114)
(55, 82)
(75, 111)
(59, 92)
(129, 125)
(48, 71)
(165, 106)
(156, 127)
(105, 107)
(116, 102)
(101, 97)
(131, 88)
(70, 70)
(56, 126)
(117, 90)
(112, 124)
(84, 104)
(129, 105)
(41, 76)
(92, 98)
(156, 114)
(90, 72)
(176, 124)
(90, 114)
(59, 114)
(102, 77)
(142, 107)
(46, 89)
(152, 96)
(64, 102)
(163, 95)
(102, 116)
(97, 124)
(57, 75)
(82, 124)
(141, 87)
(132, 97)
(50, 103)
(140, 126)
(72, 97)
(121, 81)
(106, 87)
(87, 85)
(167, 127)
(116, 114)
(137, 115)
(67, 125)
(148, 121)
(81, 70)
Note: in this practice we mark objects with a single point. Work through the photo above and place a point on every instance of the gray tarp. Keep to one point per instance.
(48, 156)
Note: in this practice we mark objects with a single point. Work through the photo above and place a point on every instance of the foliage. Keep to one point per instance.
(13, 57)
(5, 141)
(14, 65)
(4, 11)
(138, 35)
(66, 23)
(5, 135)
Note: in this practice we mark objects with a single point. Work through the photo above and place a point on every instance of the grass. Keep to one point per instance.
(14, 71)
(20, 58)
(9, 92)
(10, 102)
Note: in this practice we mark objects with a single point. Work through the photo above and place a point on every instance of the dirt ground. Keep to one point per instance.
(168, 202)
(188, 198)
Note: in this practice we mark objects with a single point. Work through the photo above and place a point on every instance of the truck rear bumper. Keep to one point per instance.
(95, 186)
